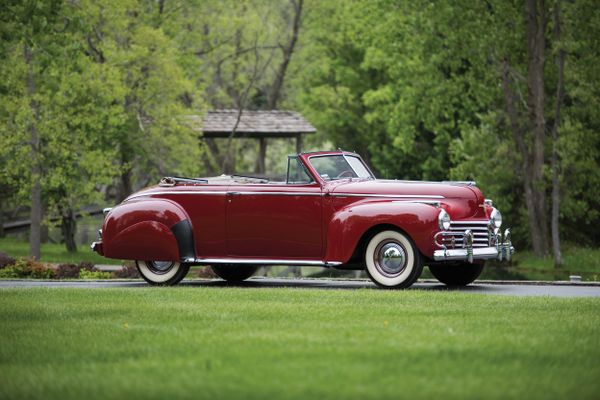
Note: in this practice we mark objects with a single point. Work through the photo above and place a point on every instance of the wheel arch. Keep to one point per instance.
(352, 227)
(148, 229)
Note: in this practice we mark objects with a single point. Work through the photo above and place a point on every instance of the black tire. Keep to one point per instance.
(392, 260)
(457, 275)
(160, 273)
(234, 273)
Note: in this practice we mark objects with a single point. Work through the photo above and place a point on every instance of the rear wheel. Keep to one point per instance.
(392, 260)
(162, 273)
(234, 273)
(457, 275)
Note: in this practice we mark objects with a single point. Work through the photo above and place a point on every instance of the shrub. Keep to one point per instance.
(5, 260)
(206, 273)
(66, 271)
(9, 272)
(28, 268)
(129, 270)
(88, 266)
(39, 270)
(87, 274)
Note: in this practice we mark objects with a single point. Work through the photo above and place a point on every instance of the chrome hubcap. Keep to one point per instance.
(160, 267)
(390, 258)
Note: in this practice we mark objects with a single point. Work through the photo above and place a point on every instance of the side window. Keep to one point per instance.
(296, 173)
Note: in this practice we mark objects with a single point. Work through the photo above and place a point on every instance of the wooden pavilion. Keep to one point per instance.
(260, 125)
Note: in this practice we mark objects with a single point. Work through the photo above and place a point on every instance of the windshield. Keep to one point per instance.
(340, 167)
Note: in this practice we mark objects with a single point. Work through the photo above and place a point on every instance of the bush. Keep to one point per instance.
(66, 271)
(87, 265)
(9, 272)
(28, 268)
(5, 260)
(129, 270)
(39, 270)
(206, 273)
(87, 274)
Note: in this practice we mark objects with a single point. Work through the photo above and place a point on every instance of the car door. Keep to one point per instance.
(282, 221)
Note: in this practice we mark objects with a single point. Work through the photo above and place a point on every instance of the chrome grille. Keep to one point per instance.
(453, 237)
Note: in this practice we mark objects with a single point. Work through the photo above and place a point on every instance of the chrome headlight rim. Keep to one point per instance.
(444, 220)
(496, 218)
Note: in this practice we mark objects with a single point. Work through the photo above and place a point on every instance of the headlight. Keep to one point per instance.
(496, 218)
(444, 220)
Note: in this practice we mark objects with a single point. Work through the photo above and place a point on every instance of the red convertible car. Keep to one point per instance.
(331, 211)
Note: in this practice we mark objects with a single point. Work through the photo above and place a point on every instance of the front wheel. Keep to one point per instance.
(457, 275)
(234, 273)
(392, 260)
(162, 273)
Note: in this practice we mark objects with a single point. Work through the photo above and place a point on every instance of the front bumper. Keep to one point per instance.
(498, 248)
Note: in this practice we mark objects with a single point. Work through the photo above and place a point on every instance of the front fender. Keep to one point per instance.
(349, 224)
(148, 229)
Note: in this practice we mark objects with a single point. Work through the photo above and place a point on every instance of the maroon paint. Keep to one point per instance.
(323, 221)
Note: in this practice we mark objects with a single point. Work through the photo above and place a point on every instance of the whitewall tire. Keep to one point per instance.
(392, 260)
(162, 272)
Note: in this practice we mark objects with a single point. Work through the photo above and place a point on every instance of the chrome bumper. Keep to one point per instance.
(498, 249)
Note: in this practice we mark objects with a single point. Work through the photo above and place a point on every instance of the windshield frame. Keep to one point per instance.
(345, 156)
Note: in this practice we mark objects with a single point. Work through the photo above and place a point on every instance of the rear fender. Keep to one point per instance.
(148, 229)
(349, 224)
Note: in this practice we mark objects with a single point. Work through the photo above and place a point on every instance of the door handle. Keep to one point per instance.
(234, 193)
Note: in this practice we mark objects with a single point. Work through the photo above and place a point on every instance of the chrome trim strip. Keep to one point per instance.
(272, 193)
(134, 196)
(262, 261)
(278, 193)
(204, 192)
(464, 222)
(390, 196)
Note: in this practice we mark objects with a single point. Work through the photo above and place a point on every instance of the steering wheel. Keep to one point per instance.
(345, 174)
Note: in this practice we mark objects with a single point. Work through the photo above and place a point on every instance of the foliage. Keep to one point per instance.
(67, 271)
(5, 260)
(417, 88)
(28, 268)
(95, 274)
(129, 271)
(272, 340)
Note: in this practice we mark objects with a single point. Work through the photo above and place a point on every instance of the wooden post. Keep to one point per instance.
(262, 156)
(298, 143)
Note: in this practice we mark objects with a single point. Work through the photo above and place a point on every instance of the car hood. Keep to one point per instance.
(407, 188)
(462, 200)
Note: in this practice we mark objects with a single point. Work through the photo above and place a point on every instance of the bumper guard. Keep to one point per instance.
(498, 249)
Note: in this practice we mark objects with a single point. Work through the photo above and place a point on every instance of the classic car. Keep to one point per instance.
(330, 211)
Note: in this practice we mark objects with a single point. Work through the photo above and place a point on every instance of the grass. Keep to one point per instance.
(192, 342)
(54, 253)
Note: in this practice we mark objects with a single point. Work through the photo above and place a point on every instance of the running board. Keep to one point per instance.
(261, 261)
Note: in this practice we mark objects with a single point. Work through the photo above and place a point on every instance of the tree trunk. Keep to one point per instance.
(522, 148)
(560, 93)
(536, 41)
(1, 219)
(68, 227)
(36, 189)
(288, 50)
(125, 188)
(262, 156)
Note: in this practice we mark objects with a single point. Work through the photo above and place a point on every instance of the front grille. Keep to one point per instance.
(457, 230)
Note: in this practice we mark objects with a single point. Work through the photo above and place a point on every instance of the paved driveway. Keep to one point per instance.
(510, 289)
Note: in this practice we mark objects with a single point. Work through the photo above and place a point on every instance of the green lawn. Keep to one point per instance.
(54, 253)
(193, 342)
(582, 261)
